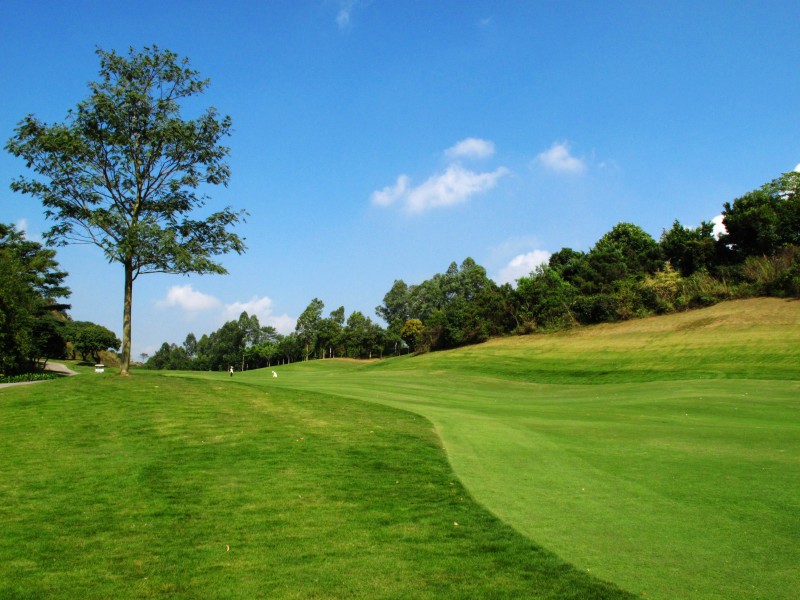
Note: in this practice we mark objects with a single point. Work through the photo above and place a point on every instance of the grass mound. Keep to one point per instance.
(661, 454)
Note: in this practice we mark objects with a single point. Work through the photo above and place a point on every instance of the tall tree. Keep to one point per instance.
(125, 169)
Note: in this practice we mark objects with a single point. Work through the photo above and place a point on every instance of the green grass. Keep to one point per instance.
(662, 455)
(161, 487)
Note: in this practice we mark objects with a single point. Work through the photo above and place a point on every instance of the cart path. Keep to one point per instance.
(53, 367)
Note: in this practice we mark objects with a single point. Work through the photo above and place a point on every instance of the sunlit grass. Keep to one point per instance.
(161, 487)
(662, 454)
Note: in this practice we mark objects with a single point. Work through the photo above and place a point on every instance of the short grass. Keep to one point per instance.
(662, 455)
(165, 487)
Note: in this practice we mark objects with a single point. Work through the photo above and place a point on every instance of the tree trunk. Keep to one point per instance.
(125, 359)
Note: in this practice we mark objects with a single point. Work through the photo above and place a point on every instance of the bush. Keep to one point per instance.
(26, 377)
(701, 289)
(777, 275)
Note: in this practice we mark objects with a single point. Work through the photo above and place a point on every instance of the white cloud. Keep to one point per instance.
(188, 299)
(559, 159)
(453, 186)
(193, 302)
(470, 148)
(797, 168)
(262, 308)
(522, 265)
(390, 194)
(719, 226)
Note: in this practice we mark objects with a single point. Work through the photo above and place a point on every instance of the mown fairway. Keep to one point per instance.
(165, 487)
(662, 455)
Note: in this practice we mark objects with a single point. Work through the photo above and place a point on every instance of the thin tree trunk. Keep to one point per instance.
(125, 359)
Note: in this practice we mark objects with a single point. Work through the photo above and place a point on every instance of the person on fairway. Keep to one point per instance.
(231, 370)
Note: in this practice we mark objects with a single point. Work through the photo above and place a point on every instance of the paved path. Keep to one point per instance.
(53, 367)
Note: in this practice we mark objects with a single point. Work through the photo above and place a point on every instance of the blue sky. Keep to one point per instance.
(377, 140)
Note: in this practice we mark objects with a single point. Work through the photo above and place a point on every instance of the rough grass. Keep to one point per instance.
(158, 487)
(662, 454)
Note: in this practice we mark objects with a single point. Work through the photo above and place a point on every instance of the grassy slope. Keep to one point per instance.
(662, 454)
(163, 487)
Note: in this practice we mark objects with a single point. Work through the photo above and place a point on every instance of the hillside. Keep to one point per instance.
(660, 454)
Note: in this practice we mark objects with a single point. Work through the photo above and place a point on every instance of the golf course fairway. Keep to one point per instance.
(657, 458)
(662, 455)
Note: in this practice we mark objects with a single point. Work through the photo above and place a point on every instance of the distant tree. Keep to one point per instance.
(635, 249)
(396, 304)
(331, 336)
(224, 347)
(123, 172)
(290, 348)
(412, 333)
(546, 299)
(170, 357)
(764, 220)
(190, 345)
(308, 325)
(689, 250)
(89, 339)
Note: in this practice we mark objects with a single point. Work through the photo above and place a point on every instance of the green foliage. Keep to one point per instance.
(763, 221)
(89, 339)
(775, 275)
(633, 250)
(123, 171)
(690, 250)
(308, 325)
(412, 333)
(663, 288)
(27, 377)
(30, 283)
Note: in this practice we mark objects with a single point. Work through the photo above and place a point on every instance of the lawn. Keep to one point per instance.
(662, 454)
(165, 487)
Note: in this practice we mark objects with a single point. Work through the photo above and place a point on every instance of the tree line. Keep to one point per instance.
(626, 274)
(246, 344)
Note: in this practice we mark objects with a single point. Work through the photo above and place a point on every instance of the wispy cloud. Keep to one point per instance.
(470, 148)
(560, 160)
(522, 265)
(344, 17)
(24, 228)
(391, 193)
(456, 184)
